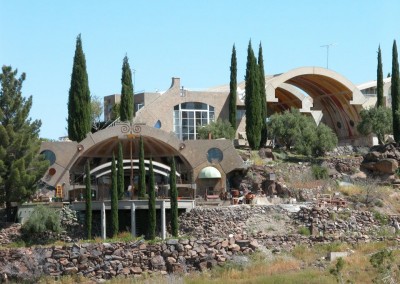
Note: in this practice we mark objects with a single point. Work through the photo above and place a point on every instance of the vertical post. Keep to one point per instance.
(163, 225)
(133, 219)
(131, 177)
(103, 221)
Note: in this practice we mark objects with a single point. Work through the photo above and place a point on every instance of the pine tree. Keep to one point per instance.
(395, 90)
(152, 204)
(88, 198)
(21, 166)
(379, 85)
(233, 89)
(142, 171)
(120, 179)
(126, 110)
(79, 106)
(253, 101)
(173, 200)
(114, 199)
(263, 97)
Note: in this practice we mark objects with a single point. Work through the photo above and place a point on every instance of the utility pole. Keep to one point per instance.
(327, 52)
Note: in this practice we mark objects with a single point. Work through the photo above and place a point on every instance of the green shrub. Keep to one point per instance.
(381, 218)
(42, 219)
(304, 231)
(295, 130)
(217, 129)
(319, 172)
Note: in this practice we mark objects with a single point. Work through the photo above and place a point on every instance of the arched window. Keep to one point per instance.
(189, 116)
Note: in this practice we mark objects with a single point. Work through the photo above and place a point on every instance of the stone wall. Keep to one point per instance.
(107, 260)
(345, 224)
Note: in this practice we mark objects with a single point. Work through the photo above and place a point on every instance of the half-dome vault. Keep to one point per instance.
(327, 95)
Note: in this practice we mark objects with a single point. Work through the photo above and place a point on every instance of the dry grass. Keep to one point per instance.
(257, 160)
(393, 201)
(258, 272)
(351, 190)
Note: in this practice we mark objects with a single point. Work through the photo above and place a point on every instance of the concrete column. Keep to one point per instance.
(103, 221)
(163, 225)
(133, 219)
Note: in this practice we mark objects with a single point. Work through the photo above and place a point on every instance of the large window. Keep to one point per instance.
(188, 117)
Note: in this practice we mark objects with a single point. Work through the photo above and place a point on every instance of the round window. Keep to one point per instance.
(215, 155)
(49, 156)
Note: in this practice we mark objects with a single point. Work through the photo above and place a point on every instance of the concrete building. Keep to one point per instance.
(169, 121)
(369, 90)
(324, 94)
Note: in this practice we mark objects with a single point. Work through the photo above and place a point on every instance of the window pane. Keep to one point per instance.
(212, 116)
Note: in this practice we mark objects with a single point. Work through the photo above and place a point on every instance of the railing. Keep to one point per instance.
(112, 124)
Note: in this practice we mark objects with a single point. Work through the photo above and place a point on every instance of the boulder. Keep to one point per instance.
(387, 166)
(373, 156)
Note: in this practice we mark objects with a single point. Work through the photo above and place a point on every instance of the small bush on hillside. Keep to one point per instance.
(43, 219)
(319, 172)
(383, 219)
(304, 231)
(376, 120)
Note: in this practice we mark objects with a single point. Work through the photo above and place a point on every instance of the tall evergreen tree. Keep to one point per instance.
(126, 110)
(395, 90)
(379, 75)
(253, 101)
(120, 179)
(173, 199)
(233, 89)
(142, 171)
(79, 106)
(114, 199)
(21, 166)
(88, 199)
(263, 97)
(152, 204)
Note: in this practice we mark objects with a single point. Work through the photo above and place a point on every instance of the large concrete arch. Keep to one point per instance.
(338, 100)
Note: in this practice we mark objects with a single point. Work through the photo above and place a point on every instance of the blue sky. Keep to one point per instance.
(187, 39)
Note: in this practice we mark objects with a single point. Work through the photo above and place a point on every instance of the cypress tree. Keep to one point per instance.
(127, 110)
(142, 171)
(114, 199)
(263, 97)
(233, 89)
(379, 75)
(395, 90)
(173, 200)
(120, 179)
(79, 112)
(152, 204)
(88, 202)
(252, 100)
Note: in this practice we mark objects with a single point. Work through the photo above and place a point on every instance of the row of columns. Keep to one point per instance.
(133, 220)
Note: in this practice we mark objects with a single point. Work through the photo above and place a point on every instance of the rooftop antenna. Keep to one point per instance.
(327, 52)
